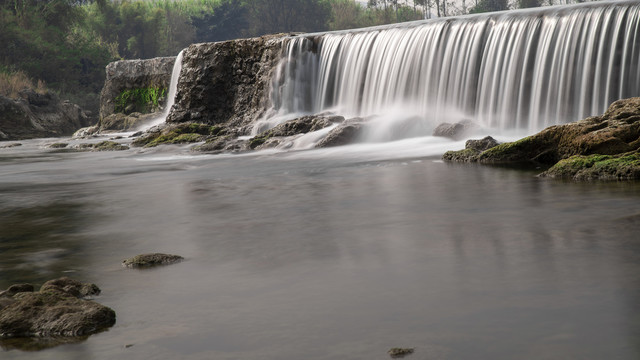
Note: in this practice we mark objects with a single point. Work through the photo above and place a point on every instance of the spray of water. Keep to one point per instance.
(522, 70)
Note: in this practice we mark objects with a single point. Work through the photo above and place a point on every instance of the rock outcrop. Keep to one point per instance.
(58, 309)
(39, 115)
(294, 127)
(130, 75)
(226, 82)
(599, 147)
(456, 131)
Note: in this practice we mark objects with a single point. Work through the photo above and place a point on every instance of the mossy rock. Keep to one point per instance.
(58, 145)
(109, 146)
(150, 260)
(597, 167)
(58, 309)
(181, 134)
(397, 352)
(466, 155)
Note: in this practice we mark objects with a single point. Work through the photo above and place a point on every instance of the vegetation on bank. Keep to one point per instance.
(12, 82)
(66, 44)
(181, 134)
(143, 100)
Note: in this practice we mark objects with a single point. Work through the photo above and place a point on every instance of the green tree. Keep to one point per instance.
(274, 16)
(227, 21)
(489, 5)
(529, 3)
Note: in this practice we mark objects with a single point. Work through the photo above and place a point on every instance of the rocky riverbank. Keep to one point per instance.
(35, 115)
(605, 147)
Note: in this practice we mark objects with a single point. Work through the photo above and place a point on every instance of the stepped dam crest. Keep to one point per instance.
(525, 69)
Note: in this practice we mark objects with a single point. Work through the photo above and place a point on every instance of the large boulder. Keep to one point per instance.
(58, 309)
(39, 115)
(456, 131)
(606, 144)
(226, 82)
(301, 125)
(343, 134)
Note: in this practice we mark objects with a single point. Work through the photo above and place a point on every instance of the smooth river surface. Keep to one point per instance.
(333, 254)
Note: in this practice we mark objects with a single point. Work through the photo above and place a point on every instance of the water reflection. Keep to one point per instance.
(292, 257)
(40, 242)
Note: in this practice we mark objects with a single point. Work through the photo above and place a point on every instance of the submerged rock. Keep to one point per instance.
(153, 259)
(293, 127)
(600, 147)
(181, 134)
(343, 134)
(103, 146)
(456, 131)
(122, 122)
(397, 353)
(58, 309)
(12, 145)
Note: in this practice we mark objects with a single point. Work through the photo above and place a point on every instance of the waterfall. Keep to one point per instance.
(171, 96)
(524, 69)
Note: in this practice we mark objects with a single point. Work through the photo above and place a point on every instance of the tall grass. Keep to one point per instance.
(12, 82)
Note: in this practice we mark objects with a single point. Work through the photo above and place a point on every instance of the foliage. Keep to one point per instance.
(143, 99)
(347, 14)
(12, 82)
(489, 5)
(275, 16)
(529, 3)
(227, 20)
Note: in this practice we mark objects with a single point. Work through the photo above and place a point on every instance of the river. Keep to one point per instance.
(341, 253)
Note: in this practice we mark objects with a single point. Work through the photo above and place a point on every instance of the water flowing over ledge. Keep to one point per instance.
(510, 70)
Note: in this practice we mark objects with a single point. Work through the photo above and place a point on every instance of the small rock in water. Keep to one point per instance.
(483, 144)
(154, 259)
(396, 353)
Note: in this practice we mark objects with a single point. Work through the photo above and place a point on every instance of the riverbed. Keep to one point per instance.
(341, 253)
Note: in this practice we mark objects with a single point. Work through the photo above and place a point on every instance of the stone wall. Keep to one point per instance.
(133, 74)
(226, 82)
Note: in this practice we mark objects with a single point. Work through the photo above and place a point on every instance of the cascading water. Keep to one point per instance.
(171, 96)
(510, 70)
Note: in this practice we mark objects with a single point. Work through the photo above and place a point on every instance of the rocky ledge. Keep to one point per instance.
(36, 115)
(60, 308)
(605, 147)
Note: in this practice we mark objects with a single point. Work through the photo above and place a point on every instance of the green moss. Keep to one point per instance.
(603, 167)
(180, 134)
(58, 145)
(466, 155)
(258, 140)
(144, 100)
(109, 146)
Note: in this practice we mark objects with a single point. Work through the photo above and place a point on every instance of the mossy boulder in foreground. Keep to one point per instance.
(600, 147)
(597, 167)
(58, 309)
